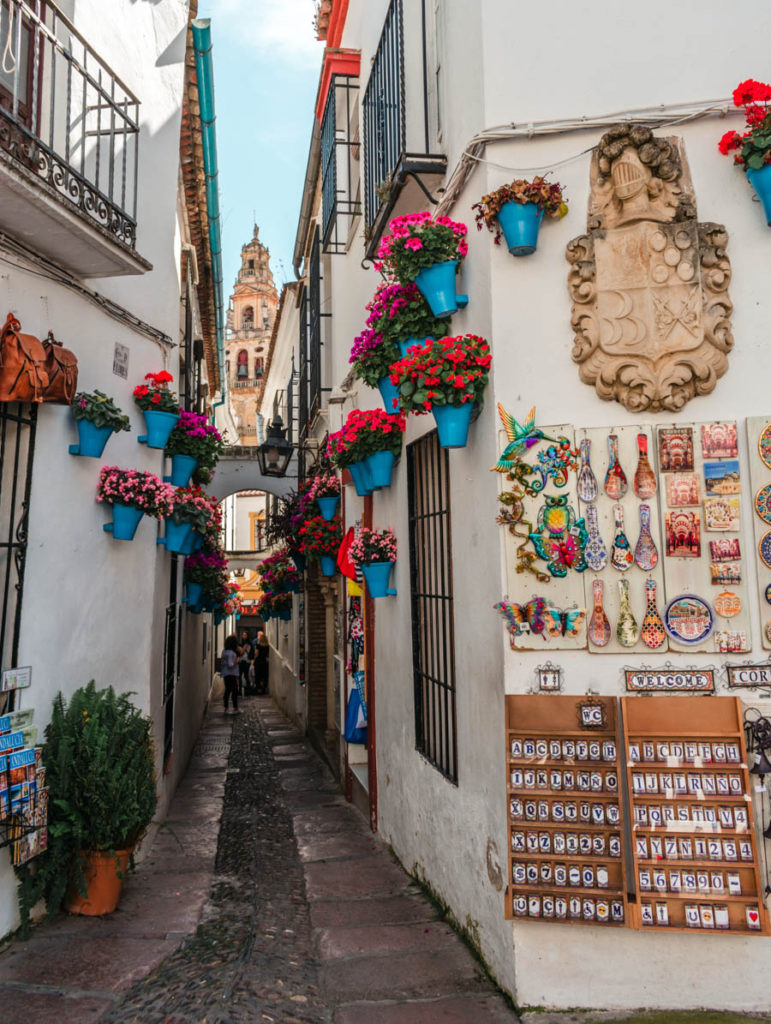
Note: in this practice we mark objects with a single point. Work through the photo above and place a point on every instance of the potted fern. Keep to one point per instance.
(101, 777)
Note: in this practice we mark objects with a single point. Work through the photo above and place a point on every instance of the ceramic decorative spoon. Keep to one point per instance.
(653, 633)
(644, 477)
(645, 553)
(587, 481)
(627, 630)
(599, 626)
(621, 556)
(615, 479)
(595, 553)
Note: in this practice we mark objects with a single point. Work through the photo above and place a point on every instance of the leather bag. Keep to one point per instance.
(23, 376)
(62, 370)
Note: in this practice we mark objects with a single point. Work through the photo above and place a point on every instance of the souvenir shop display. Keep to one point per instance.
(23, 790)
(566, 827)
(658, 506)
(759, 448)
(693, 838)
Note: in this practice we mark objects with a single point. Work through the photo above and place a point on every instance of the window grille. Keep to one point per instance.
(314, 337)
(17, 448)
(384, 123)
(303, 379)
(433, 630)
(339, 159)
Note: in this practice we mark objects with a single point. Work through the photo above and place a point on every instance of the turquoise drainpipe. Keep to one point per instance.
(205, 73)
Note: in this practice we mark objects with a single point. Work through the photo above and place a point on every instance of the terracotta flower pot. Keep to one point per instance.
(104, 880)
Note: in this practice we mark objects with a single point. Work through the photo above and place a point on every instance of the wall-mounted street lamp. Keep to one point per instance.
(275, 452)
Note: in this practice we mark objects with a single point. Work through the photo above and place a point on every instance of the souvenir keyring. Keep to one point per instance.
(764, 445)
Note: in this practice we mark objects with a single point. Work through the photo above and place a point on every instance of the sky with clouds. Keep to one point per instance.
(266, 70)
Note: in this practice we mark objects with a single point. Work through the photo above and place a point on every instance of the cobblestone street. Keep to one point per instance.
(304, 915)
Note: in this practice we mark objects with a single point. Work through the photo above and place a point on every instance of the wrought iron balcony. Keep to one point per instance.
(69, 135)
(339, 163)
(397, 156)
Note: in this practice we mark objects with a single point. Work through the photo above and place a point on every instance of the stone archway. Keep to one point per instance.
(239, 470)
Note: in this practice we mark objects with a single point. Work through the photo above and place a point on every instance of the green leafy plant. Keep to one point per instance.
(546, 195)
(448, 371)
(100, 767)
(100, 410)
(195, 436)
(754, 146)
(416, 241)
(365, 432)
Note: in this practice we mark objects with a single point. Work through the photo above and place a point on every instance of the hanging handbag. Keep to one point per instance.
(353, 732)
(62, 369)
(23, 376)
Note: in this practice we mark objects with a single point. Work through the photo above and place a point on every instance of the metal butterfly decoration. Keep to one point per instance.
(539, 619)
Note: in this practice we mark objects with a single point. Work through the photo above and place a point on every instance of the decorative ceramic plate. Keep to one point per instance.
(688, 619)
(764, 445)
(763, 503)
(764, 549)
(768, 593)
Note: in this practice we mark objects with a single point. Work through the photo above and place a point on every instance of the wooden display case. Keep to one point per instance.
(693, 833)
(565, 811)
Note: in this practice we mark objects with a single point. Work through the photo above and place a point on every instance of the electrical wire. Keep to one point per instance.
(664, 116)
(43, 268)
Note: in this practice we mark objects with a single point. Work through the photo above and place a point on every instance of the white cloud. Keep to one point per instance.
(281, 29)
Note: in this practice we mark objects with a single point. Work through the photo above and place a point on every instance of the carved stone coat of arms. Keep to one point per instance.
(649, 283)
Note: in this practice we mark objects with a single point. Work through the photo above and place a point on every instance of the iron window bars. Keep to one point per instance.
(66, 117)
(433, 627)
(17, 448)
(339, 156)
(384, 121)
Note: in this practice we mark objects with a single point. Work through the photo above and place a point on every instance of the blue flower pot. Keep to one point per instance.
(452, 423)
(285, 614)
(125, 520)
(390, 394)
(196, 542)
(182, 468)
(91, 439)
(361, 477)
(328, 565)
(761, 182)
(178, 535)
(328, 506)
(193, 593)
(377, 575)
(300, 561)
(158, 425)
(404, 346)
(437, 285)
(381, 467)
(219, 618)
(266, 616)
(520, 223)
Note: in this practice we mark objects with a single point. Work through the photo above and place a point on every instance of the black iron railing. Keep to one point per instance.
(66, 117)
(384, 121)
(339, 164)
(314, 329)
(17, 449)
(433, 628)
(302, 383)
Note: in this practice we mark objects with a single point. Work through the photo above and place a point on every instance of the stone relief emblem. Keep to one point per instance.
(649, 284)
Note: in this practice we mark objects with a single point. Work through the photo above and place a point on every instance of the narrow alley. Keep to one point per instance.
(304, 915)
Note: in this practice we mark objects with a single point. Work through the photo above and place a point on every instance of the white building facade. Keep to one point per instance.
(487, 93)
(97, 247)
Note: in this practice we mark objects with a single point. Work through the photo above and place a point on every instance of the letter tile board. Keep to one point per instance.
(759, 447)
(676, 769)
(658, 512)
(693, 833)
(566, 829)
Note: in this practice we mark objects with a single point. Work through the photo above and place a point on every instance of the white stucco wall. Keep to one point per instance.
(94, 607)
(456, 837)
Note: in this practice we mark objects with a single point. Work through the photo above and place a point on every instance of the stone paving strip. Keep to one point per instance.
(263, 898)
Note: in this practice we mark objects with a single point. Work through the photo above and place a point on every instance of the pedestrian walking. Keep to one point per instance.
(229, 673)
(261, 663)
(244, 657)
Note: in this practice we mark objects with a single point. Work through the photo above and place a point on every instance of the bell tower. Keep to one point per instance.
(251, 315)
